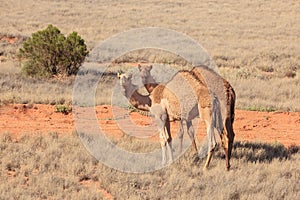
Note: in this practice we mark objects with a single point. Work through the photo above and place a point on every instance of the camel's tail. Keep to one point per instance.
(232, 105)
(217, 123)
(217, 115)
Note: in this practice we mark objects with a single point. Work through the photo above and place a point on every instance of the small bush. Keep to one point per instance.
(49, 53)
(65, 109)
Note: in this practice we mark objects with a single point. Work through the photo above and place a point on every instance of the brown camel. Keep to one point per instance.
(225, 94)
(144, 102)
(191, 99)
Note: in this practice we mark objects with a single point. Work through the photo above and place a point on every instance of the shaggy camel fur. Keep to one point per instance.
(192, 99)
(225, 94)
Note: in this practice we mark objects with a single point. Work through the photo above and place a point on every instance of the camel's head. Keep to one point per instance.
(145, 73)
(125, 79)
(125, 82)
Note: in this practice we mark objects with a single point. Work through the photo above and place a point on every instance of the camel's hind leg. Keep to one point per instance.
(211, 143)
(191, 133)
(227, 138)
(225, 144)
(207, 115)
(210, 154)
(180, 136)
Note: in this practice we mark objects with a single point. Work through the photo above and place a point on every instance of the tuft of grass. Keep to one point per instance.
(261, 109)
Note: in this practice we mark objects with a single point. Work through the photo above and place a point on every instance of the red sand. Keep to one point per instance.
(283, 127)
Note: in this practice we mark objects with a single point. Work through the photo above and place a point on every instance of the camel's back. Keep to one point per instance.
(198, 82)
(179, 97)
(183, 93)
(220, 87)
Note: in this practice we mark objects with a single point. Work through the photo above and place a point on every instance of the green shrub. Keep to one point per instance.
(49, 53)
(65, 109)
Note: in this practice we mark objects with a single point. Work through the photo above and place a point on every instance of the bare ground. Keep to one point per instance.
(282, 127)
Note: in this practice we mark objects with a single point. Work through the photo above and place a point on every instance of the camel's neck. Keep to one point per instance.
(139, 101)
(150, 86)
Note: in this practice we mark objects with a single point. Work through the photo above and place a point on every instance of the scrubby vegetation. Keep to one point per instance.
(58, 167)
(49, 53)
(65, 109)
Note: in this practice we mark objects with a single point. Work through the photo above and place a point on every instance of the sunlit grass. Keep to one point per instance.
(56, 166)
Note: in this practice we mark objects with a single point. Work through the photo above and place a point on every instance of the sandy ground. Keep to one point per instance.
(283, 127)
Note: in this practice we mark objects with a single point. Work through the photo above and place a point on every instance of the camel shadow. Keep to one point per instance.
(262, 152)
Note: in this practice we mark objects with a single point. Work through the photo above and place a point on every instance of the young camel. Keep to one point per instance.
(144, 102)
(225, 95)
(192, 99)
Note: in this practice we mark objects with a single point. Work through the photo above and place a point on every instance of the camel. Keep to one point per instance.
(150, 83)
(144, 103)
(192, 99)
(141, 102)
(225, 95)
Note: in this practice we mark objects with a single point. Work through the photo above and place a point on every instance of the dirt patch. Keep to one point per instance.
(282, 127)
(96, 184)
(9, 39)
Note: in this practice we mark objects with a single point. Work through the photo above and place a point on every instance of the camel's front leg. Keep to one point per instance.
(163, 126)
(163, 150)
(166, 145)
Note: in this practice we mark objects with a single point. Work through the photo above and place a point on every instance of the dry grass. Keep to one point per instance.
(55, 167)
(18, 89)
(253, 42)
(240, 31)
(222, 26)
(15, 88)
(262, 92)
(253, 93)
(268, 95)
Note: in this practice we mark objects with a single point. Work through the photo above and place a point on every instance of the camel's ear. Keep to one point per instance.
(119, 75)
(140, 67)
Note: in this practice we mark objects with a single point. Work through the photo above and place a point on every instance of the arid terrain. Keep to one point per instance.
(254, 44)
(270, 127)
